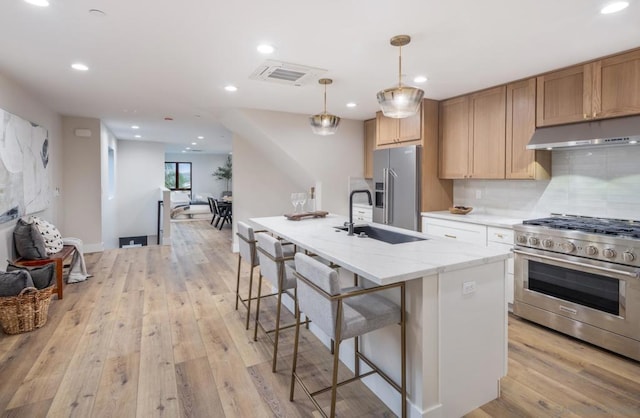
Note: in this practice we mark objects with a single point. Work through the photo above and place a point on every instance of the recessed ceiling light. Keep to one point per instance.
(351, 104)
(40, 3)
(137, 136)
(135, 127)
(194, 143)
(633, 141)
(265, 49)
(184, 151)
(420, 79)
(614, 7)
(187, 148)
(231, 88)
(79, 66)
(201, 137)
(549, 148)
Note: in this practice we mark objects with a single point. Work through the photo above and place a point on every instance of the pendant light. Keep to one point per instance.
(324, 123)
(401, 101)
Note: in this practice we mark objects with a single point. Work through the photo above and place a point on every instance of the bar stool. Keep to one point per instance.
(277, 267)
(247, 247)
(342, 314)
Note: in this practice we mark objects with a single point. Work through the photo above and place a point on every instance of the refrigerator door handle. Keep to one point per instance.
(385, 203)
(391, 175)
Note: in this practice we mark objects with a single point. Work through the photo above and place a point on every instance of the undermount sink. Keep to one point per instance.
(390, 237)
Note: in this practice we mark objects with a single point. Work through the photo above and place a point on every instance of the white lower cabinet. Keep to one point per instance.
(362, 213)
(484, 235)
(503, 238)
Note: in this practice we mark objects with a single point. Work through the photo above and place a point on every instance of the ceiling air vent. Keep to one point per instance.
(286, 73)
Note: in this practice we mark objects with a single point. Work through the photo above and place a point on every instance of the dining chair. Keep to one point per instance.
(224, 213)
(342, 314)
(212, 208)
(277, 268)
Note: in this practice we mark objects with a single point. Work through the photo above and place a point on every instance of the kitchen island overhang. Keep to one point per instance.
(456, 311)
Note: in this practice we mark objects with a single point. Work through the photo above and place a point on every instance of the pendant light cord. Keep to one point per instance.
(325, 100)
(400, 67)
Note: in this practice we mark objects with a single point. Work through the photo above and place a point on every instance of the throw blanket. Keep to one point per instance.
(78, 272)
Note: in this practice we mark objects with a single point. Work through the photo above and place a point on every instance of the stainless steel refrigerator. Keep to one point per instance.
(396, 177)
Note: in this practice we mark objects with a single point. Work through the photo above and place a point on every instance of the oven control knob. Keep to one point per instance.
(628, 256)
(533, 240)
(568, 247)
(591, 250)
(547, 243)
(522, 239)
(609, 253)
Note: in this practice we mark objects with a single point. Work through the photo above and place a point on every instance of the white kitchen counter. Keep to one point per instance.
(456, 312)
(378, 261)
(476, 218)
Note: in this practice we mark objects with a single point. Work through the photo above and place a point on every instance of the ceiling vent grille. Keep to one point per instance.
(286, 73)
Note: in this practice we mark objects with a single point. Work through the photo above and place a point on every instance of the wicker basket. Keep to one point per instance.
(25, 312)
(460, 210)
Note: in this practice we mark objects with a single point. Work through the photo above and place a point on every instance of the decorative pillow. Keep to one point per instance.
(51, 235)
(42, 276)
(12, 283)
(28, 240)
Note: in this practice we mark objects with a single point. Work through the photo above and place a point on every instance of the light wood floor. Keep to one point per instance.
(154, 333)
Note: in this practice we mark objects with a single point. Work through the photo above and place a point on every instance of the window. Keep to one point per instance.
(177, 176)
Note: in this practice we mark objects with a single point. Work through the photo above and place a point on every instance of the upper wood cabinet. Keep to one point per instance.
(392, 131)
(454, 138)
(616, 83)
(602, 89)
(472, 136)
(522, 163)
(369, 145)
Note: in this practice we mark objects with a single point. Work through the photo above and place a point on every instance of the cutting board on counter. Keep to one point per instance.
(299, 216)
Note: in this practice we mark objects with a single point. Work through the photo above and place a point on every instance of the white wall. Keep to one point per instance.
(19, 101)
(602, 182)
(140, 168)
(275, 154)
(109, 207)
(82, 183)
(202, 167)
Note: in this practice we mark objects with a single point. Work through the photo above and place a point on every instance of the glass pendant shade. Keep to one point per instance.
(324, 123)
(401, 101)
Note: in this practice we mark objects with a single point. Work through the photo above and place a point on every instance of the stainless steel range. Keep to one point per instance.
(580, 276)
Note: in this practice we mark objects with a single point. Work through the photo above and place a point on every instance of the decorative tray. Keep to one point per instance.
(460, 210)
(298, 216)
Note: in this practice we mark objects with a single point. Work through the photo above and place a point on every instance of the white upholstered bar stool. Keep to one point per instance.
(247, 251)
(342, 314)
(277, 267)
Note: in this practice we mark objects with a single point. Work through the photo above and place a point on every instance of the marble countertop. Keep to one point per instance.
(380, 262)
(476, 218)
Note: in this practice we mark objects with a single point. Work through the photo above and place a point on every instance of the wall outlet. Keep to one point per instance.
(478, 194)
(468, 288)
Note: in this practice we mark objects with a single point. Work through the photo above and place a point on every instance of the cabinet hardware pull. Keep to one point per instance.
(499, 235)
(584, 116)
(450, 236)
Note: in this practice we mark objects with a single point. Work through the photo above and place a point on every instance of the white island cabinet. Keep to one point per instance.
(457, 321)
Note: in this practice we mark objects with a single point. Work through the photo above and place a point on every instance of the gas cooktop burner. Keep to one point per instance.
(601, 226)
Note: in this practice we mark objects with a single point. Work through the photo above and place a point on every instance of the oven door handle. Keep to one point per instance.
(634, 274)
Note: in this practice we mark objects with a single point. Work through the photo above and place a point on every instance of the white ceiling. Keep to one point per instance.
(154, 58)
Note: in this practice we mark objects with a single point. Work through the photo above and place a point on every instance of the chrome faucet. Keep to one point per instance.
(350, 223)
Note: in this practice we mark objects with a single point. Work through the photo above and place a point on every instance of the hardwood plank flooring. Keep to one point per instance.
(155, 334)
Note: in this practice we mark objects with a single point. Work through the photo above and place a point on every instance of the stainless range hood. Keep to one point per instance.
(616, 131)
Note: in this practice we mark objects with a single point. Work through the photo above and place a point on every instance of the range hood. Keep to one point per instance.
(618, 131)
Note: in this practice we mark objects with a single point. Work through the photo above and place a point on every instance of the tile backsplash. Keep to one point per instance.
(601, 182)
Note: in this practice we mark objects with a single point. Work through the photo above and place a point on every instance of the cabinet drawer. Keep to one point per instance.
(501, 235)
(472, 233)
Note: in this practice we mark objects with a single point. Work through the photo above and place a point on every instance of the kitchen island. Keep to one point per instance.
(456, 312)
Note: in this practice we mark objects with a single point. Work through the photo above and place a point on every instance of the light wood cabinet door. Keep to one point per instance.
(410, 129)
(616, 86)
(487, 137)
(564, 96)
(394, 131)
(454, 138)
(386, 130)
(522, 163)
(369, 145)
